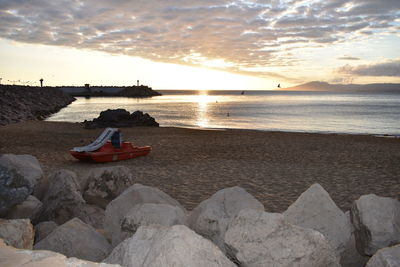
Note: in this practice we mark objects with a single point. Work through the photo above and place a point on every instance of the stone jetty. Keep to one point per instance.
(20, 103)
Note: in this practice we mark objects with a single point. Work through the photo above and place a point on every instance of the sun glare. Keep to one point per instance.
(203, 101)
(98, 68)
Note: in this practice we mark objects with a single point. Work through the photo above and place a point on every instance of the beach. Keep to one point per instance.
(192, 164)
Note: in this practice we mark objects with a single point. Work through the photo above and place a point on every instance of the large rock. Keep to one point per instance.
(212, 216)
(17, 233)
(14, 189)
(20, 176)
(76, 239)
(386, 257)
(29, 167)
(136, 194)
(43, 229)
(29, 209)
(316, 210)
(120, 118)
(161, 246)
(257, 238)
(105, 184)
(62, 198)
(377, 223)
(150, 213)
(12, 257)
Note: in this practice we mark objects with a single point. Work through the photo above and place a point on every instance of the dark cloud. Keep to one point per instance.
(389, 69)
(245, 33)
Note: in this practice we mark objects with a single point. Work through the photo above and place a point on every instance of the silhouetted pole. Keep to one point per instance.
(137, 82)
(87, 87)
(0, 80)
(41, 82)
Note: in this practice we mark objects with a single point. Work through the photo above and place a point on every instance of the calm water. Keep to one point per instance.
(326, 112)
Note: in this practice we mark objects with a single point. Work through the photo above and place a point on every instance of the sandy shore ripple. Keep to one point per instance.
(190, 165)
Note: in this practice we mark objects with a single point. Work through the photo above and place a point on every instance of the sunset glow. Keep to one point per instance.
(199, 44)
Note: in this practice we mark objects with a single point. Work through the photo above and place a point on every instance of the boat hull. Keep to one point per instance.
(108, 153)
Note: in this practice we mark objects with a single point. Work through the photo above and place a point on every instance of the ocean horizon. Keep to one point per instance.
(371, 113)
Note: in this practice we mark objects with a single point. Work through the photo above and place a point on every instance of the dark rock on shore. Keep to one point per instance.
(120, 118)
(19, 103)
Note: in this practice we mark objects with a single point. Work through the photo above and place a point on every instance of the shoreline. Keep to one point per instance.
(192, 164)
(257, 130)
(275, 131)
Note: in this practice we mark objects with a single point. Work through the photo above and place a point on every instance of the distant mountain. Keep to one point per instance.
(323, 86)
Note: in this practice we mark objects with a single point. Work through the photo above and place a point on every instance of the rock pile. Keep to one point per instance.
(103, 216)
(18, 103)
(118, 118)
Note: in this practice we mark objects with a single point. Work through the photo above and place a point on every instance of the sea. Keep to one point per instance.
(371, 113)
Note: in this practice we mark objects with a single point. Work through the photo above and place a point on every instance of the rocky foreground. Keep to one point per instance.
(105, 218)
(20, 103)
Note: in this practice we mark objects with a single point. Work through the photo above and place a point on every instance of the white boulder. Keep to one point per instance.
(136, 194)
(377, 223)
(76, 239)
(316, 210)
(257, 238)
(163, 247)
(212, 216)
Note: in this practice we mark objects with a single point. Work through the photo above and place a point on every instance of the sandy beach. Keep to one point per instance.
(190, 165)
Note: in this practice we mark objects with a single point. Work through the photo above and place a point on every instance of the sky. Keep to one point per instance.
(199, 44)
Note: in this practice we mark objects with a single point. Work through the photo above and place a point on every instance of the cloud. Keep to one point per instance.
(348, 58)
(389, 69)
(250, 33)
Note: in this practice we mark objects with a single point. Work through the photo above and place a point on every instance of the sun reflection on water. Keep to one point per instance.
(203, 104)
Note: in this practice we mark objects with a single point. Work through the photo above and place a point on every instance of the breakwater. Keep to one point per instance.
(19, 103)
(125, 91)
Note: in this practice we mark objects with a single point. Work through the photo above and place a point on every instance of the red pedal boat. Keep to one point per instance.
(103, 150)
(108, 153)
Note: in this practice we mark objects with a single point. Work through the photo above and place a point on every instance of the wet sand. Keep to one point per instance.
(190, 165)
